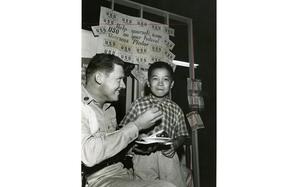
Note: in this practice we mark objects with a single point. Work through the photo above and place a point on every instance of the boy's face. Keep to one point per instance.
(160, 82)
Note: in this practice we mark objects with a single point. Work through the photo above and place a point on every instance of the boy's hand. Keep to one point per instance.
(148, 118)
(169, 152)
(171, 149)
(142, 150)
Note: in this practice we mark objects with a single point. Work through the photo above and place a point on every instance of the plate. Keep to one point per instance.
(156, 139)
(151, 140)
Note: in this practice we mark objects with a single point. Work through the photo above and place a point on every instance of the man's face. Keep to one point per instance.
(113, 83)
(160, 82)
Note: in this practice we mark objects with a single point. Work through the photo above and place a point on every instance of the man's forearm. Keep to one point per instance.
(95, 149)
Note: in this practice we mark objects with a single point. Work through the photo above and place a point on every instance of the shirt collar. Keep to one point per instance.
(155, 98)
(87, 99)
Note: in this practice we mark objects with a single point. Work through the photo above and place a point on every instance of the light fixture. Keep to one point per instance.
(184, 64)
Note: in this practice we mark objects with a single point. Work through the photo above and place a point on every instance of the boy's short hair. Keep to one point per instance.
(160, 64)
(102, 62)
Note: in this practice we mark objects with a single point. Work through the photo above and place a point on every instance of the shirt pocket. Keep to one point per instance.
(111, 124)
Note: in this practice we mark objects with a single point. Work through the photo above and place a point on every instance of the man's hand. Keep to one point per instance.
(148, 118)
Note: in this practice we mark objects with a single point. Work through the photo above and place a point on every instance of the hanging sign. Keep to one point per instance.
(195, 120)
(134, 40)
(140, 74)
(194, 88)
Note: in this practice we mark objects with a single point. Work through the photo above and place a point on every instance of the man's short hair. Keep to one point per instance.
(160, 64)
(102, 62)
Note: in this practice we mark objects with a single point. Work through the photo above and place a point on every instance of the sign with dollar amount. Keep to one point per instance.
(133, 39)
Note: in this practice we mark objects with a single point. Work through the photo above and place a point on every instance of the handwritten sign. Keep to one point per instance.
(134, 40)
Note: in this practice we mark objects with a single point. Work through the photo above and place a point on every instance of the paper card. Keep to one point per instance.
(126, 20)
(110, 14)
(126, 48)
(139, 59)
(155, 59)
(140, 76)
(109, 50)
(195, 85)
(108, 21)
(156, 26)
(168, 30)
(141, 50)
(156, 49)
(169, 55)
(170, 45)
(126, 57)
(173, 66)
(97, 30)
(195, 120)
(143, 68)
(109, 42)
(171, 31)
(194, 88)
(196, 102)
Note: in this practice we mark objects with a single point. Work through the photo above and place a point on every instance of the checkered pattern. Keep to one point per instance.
(173, 121)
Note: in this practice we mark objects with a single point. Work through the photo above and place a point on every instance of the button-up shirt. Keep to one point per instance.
(173, 121)
(99, 138)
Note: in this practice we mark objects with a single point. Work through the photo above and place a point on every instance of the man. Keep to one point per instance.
(100, 141)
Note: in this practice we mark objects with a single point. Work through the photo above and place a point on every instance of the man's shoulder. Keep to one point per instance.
(86, 110)
(84, 106)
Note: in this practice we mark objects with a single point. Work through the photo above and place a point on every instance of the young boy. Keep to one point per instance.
(159, 161)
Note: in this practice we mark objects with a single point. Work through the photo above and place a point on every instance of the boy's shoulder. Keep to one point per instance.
(172, 103)
(152, 99)
(143, 98)
(142, 101)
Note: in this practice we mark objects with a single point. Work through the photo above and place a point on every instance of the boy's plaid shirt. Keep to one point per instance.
(173, 121)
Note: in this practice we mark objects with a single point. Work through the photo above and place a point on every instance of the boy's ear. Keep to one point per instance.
(99, 77)
(148, 84)
(172, 84)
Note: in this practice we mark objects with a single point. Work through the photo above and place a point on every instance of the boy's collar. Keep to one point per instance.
(159, 98)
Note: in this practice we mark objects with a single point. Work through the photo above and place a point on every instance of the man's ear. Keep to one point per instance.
(148, 84)
(99, 76)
